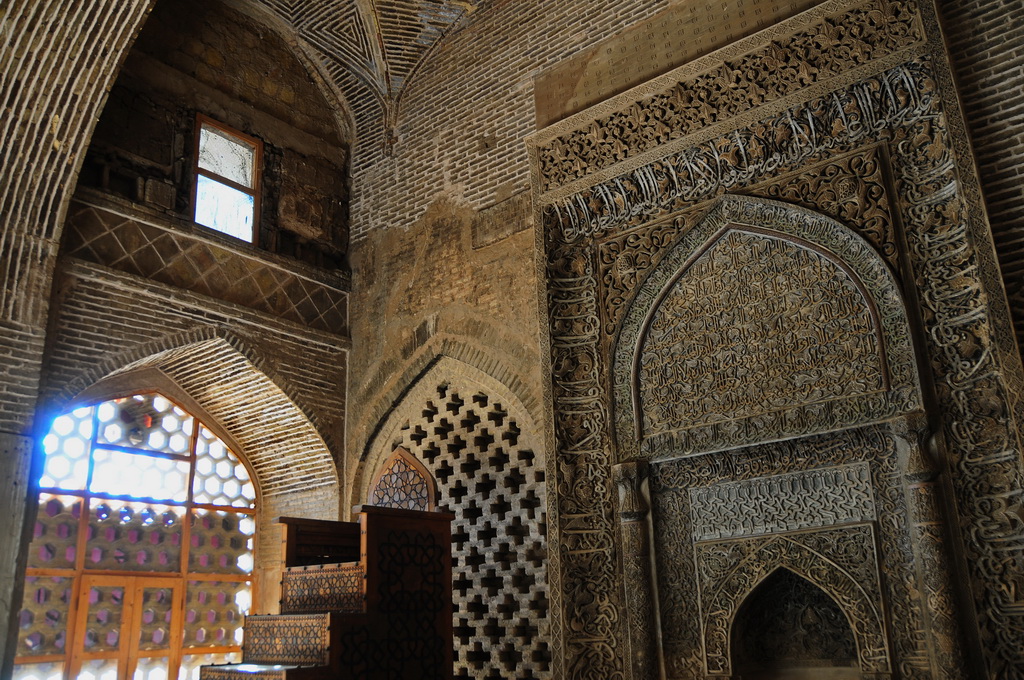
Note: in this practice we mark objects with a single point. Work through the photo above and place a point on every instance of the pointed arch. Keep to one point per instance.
(403, 482)
(765, 321)
(480, 445)
(215, 369)
(441, 369)
(724, 600)
(786, 623)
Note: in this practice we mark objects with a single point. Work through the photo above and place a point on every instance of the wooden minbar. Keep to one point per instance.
(381, 609)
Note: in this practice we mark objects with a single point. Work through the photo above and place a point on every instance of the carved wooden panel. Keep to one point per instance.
(333, 587)
(295, 639)
(403, 482)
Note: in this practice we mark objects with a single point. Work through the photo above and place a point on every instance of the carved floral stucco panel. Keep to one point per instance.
(750, 561)
(764, 321)
(900, 100)
(819, 526)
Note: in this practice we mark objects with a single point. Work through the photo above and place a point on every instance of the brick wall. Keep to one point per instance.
(193, 57)
(57, 61)
(986, 41)
(221, 355)
(466, 111)
(107, 318)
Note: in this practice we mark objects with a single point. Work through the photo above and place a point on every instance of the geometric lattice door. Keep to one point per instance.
(142, 556)
(127, 624)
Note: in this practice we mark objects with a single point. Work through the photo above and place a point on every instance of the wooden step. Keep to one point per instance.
(323, 588)
(288, 640)
(251, 671)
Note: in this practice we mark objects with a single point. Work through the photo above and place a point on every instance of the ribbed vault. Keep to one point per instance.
(368, 49)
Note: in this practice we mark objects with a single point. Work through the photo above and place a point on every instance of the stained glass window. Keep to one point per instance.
(227, 172)
(142, 509)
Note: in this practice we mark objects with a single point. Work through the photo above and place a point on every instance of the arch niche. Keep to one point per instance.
(216, 376)
(765, 325)
(764, 322)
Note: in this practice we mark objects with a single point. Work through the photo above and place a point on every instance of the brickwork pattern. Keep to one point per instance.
(369, 50)
(195, 57)
(430, 293)
(464, 116)
(495, 487)
(205, 266)
(21, 348)
(56, 65)
(986, 40)
(104, 315)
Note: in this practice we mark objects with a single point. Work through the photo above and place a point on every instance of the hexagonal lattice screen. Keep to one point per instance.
(495, 486)
(148, 517)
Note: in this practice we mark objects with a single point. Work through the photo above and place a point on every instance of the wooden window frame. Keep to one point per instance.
(257, 171)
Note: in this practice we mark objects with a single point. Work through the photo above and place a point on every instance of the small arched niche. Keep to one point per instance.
(403, 482)
(790, 629)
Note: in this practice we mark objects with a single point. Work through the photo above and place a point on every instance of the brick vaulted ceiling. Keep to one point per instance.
(368, 49)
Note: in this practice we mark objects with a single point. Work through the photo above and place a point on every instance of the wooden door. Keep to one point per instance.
(128, 628)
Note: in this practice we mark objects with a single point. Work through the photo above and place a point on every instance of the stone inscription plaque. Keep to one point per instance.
(666, 40)
(756, 324)
(789, 502)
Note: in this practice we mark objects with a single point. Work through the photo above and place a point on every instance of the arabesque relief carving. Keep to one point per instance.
(859, 114)
(756, 324)
(824, 49)
(615, 211)
(850, 190)
(786, 502)
(847, 546)
(794, 326)
(634, 531)
(787, 622)
(738, 569)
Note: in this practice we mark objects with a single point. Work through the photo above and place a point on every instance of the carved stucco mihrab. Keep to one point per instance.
(756, 323)
(850, 189)
(749, 561)
(611, 207)
(786, 502)
(789, 327)
(825, 524)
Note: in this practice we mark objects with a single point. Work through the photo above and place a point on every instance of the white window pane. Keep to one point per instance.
(226, 155)
(116, 472)
(228, 210)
